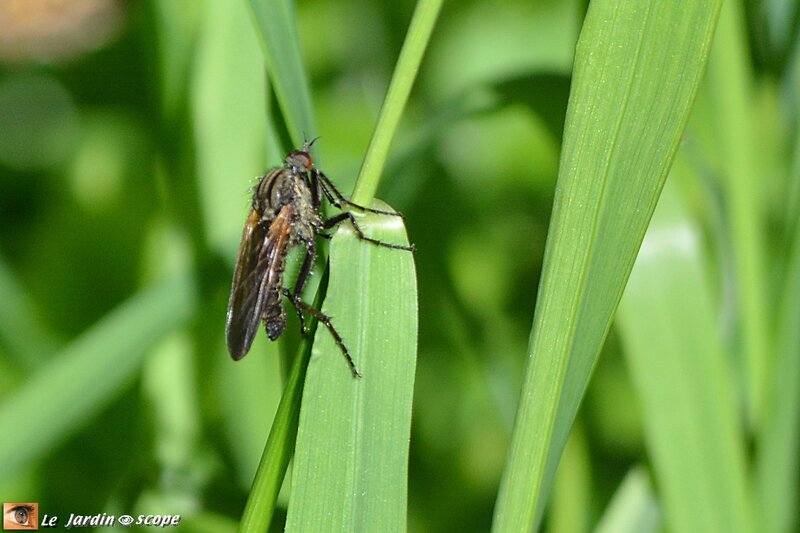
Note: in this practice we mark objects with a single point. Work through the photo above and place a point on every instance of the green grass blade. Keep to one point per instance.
(275, 21)
(88, 373)
(779, 439)
(278, 451)
(571, 506)
(176, 30)
(405, 72)
(228, 106)
(229, 110)
(637, 69)
(351, 459)
(685, 383)
(633, 509)
(730, 99)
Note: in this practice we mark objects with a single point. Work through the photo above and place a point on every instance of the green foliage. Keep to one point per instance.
(88, 374)
(685, 385)
(130, 142)
(613, 165)
(351, 460)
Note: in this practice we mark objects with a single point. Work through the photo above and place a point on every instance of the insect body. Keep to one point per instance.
(285, 213)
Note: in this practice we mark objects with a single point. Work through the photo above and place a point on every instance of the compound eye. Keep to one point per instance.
(299, 160)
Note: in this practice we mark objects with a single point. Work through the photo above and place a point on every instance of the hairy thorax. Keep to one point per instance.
(281, 188)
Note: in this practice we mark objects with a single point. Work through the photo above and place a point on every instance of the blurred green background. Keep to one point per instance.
(130, 134)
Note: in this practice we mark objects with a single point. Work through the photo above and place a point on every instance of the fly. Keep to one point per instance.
(285, 212)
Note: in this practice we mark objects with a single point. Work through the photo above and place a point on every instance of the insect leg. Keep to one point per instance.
(302, 277)
(337, 199)
(346, 215)
(315, 186)
(325, 319)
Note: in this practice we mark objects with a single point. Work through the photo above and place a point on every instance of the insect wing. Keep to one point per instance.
(249, 287)
(256, 278)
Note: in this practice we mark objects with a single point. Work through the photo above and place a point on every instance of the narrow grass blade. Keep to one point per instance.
(275, 21)
(231, 129)
(637, 68)
(405, 72)
(228, 106)
(571, 507)
(684, 381)
(278, 451)
(351, 460)
(88, 373)
(779, 438)
(729, 97)
(633, 509)
(176, 31)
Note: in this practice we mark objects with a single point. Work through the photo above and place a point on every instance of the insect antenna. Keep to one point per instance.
(308, 144)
